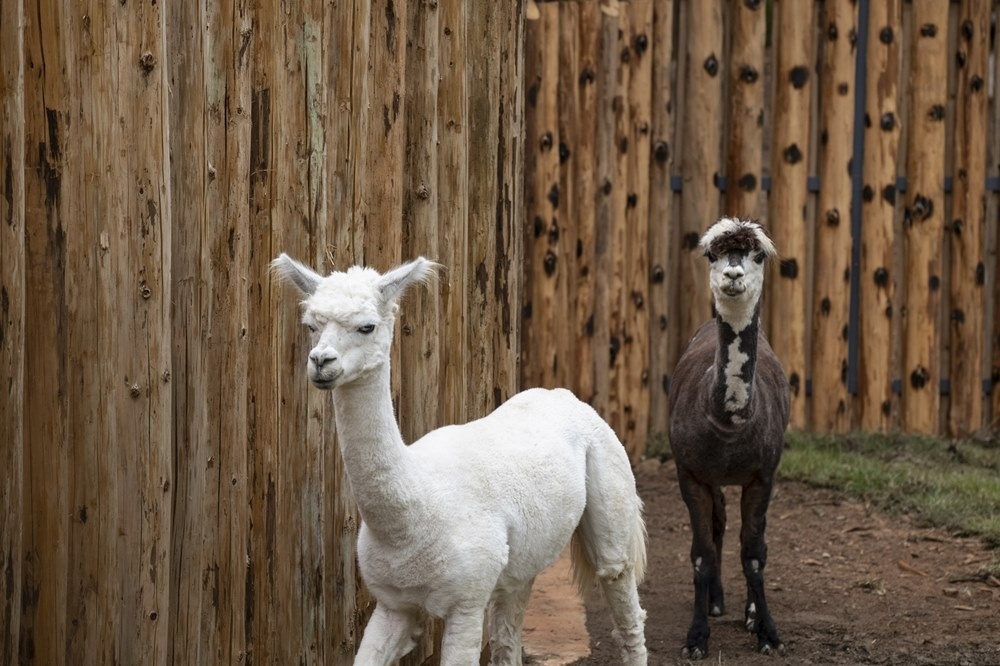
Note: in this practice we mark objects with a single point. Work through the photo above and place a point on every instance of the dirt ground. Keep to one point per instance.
(846, 585)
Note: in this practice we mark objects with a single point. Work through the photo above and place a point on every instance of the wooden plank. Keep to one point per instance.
(745, 145)
(583, 162)
(634, 370)
(790, 149)
(968, 222)
(663, 250)
(701, 151)
(617, 233)
(453, 206)
(832, 295)
(991, 241)
(876, 404)
(12, 325)
(924, 218)
(546, 274)
(570, 204)
(46, 470)
(607, 78)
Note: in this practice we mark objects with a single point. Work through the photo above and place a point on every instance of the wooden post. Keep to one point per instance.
(923, 219)
(583, 163)
(967, 224)
(547, 270)
(877, 405)
(634, 371)
(831, 295)
(12, 326)
(662, 246)
(787, 284)
(746, 111)
(700, 158)
(453, 207)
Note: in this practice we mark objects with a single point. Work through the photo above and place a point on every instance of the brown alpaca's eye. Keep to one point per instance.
(759, 258)
(366, 329)
(711, 256)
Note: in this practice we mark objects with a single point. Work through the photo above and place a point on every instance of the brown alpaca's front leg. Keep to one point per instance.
(700, 500)
(753, 554)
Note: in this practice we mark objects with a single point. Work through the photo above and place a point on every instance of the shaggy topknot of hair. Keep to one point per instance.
(730, 235)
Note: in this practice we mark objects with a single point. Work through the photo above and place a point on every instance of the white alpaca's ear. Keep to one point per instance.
(305, 278)
(394, 282)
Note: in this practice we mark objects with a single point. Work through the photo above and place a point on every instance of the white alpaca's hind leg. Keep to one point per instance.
(505, 619)
(629, 618)
(389, 635)
(463, 638)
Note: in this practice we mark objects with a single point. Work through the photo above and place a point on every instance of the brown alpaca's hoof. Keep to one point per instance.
(768, 649)
(692, 653)
(716, 610)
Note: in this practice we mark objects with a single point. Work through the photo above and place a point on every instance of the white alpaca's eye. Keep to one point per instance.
(312, 327)
(366, 329)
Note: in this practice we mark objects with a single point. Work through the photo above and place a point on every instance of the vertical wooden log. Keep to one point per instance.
(46, 475)
(546, 276)
(607, 78)
(495, 63)
(586, 21)
(991, 241)
(12, 321)
(617, 225)
(876, 403)
(923, 218)
(453, 206)
(663, 249)
(210, 336)
(786, 293)
(967, 225)
(634, 372)
(746, 111)
(700, 158)
(570, 208)
(831, 295)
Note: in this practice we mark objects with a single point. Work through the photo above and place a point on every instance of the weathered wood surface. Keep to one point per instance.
(787, 214)
(831, 296)
(967, 223)
(178, 480)
(923, 218)
(13, 518)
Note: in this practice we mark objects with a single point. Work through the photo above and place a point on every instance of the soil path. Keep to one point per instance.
(846, 585)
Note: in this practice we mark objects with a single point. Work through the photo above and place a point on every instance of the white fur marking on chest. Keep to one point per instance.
(737, 390)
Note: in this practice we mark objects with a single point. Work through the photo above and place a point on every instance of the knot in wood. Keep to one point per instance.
(545, 143)
(928, 30)
(887, 122)
(919, 377)
(147, 61)
(711, 65)
(423, 192)
(661, 151)
(886, 35)
(549, 263)
(831, 32)
(135, 391)
(749, 74)
(833, 217)
(658, 274)
(640, 43)
(967, 30)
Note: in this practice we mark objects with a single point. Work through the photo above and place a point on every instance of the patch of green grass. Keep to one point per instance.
(949, 484)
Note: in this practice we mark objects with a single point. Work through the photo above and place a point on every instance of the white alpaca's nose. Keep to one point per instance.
(321, 357)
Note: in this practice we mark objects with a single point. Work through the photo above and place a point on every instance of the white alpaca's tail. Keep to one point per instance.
(609, 544)
(611, 536)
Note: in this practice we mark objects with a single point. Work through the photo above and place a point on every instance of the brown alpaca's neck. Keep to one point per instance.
(735, 363)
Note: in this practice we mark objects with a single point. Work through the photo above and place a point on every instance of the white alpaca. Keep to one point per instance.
(459, 523)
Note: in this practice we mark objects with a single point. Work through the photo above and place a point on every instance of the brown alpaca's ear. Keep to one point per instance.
(394, 282)
(303, 277)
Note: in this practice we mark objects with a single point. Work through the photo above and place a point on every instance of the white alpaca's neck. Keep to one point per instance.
(735, 360)
(384, 478)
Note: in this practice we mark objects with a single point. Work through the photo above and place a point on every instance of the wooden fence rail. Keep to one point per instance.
(863, 134)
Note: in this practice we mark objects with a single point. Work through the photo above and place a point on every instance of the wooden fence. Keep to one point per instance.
(863, 134)
(171, 488)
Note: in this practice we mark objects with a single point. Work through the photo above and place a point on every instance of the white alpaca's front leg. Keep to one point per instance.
(389, 635)
(463, 637)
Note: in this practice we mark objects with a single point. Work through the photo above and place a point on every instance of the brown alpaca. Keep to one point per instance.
(729, 403)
